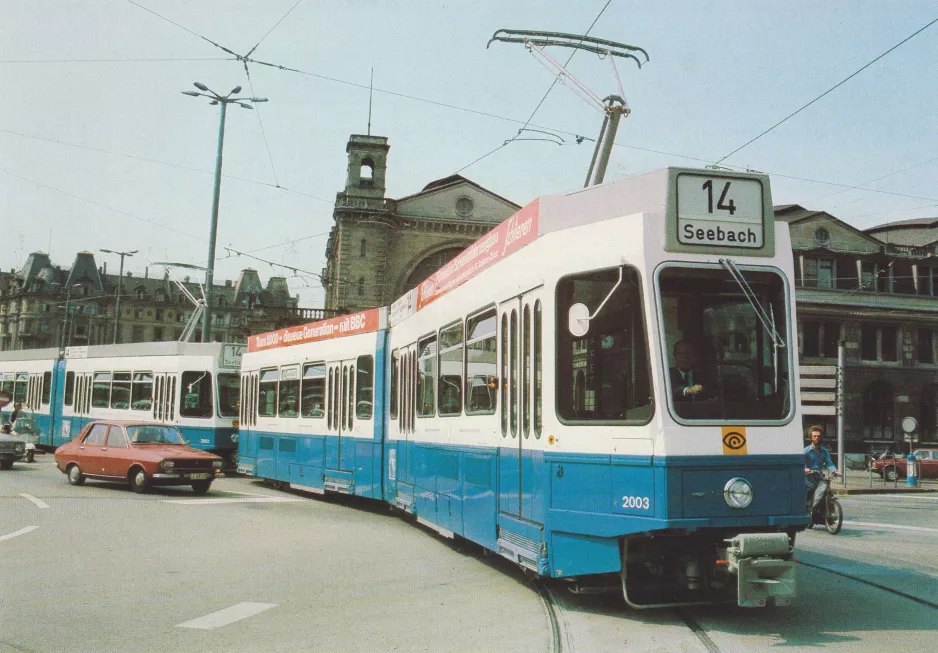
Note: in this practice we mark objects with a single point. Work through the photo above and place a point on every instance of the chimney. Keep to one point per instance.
(105, 267)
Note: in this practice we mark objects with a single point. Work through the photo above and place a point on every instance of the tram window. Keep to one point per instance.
(101, 390)
(8, 384)
(426, 376)
(197, 394)
(481, 377)
(267, 393)
(451, 370)
(288, 401)
(526, 371)
(120, 391)
(350, 395)
(603, 375)
(742, 357)
(172, 398)
(364, 387)
(395, 375)
(141, 392)
(513, 367)
(69, 398)
(538, 367)
(503, 381)
(344, 412)
(46, 388)
(229, 394)
(19, 386)
(313, 390)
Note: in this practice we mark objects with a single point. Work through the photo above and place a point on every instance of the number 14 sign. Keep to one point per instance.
(720, 211)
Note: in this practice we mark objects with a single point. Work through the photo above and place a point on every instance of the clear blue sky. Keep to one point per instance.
(99, 149)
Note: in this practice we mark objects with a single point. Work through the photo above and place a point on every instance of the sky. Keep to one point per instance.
(100, 149)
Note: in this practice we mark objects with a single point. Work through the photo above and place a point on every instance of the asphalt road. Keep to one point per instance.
(97, 568)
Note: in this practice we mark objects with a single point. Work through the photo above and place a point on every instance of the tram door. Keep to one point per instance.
(519, 494)
(340, 412)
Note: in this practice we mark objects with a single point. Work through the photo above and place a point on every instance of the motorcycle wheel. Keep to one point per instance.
(834, 520)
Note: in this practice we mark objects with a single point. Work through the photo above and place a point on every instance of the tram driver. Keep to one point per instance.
(688, 381)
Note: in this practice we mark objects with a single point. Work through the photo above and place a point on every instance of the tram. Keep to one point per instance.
(193, 386)
(531, 396)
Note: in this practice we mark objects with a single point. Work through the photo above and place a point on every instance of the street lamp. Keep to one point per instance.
(120, 279)
(63, 340)
(224, 101)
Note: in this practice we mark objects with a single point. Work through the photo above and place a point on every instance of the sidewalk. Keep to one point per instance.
(858, 482)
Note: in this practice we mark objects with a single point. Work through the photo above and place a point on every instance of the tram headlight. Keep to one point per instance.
(737, 493)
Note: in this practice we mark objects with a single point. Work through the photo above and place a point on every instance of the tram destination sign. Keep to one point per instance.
(717, 211)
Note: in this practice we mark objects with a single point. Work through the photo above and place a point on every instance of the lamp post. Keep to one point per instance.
(120, 280)
(65, 341)
(224, 101)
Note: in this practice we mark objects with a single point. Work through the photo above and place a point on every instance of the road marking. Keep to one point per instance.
(227, 616)
(895, 526)
(22, 531)
(205, 502)
(38, 502)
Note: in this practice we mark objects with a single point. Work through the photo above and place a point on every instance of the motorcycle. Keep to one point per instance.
(825, 509)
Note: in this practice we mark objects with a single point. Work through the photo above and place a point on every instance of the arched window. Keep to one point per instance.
(364, 248)
(366, 174)
(878, 411)
(361, 286)
(429, 265)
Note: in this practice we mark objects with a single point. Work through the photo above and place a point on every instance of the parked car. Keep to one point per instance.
(11, 450)
(891, 468)
(141, 454)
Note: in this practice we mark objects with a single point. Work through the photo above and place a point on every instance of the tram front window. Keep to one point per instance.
(196, 394)
(726, 343)
(602, 375)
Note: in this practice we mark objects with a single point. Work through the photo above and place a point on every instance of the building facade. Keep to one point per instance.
(45, 305)
(379, 248)
(877, 291)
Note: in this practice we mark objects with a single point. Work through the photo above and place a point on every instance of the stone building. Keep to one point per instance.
(379, 248)
(876, 290)
(45, 305)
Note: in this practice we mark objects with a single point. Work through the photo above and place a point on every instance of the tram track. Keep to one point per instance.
(870, 583)
(558, 629)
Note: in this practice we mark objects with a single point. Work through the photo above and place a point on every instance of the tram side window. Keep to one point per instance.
(101, 390)
(196, 394)
(426, 376)
(603, 375)
(288, 400)
(313, 390)
(20, 386)
(451, 370)
(46, 388)
(538, 365)
(8, 384)
(364, 387)
(395, 376)
(267, 391)
(229, 393)
(120, 391)
(481, 376)
(69, 398)
(141, 391)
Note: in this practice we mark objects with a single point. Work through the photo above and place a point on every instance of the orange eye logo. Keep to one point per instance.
(734, 440)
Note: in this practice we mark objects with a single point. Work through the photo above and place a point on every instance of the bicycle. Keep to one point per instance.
(825, 509)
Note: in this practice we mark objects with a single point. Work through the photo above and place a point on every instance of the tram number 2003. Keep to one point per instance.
(635, 502)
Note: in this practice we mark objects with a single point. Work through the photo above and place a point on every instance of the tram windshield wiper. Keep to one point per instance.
(750, 295)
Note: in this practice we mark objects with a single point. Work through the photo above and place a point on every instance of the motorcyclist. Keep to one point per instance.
(816, 459)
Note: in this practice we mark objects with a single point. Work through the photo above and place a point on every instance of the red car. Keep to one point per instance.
(139, 453)
(892, 468)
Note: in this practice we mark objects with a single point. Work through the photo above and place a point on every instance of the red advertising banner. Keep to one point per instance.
(335, 327)
(507, 238)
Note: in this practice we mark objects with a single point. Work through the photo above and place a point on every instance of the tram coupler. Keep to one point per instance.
(764, 569)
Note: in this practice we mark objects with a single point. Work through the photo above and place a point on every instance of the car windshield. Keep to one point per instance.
(154, 435)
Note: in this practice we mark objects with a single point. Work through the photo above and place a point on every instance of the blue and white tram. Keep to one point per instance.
(194, 386)
(191, 385)
(535, 404)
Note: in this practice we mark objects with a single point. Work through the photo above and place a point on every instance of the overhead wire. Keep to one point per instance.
(828, 91)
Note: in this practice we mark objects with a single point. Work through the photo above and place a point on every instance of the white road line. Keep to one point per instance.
(38, 502)
(227, 616)
(205, 502)
(22, 531)
(894, 526)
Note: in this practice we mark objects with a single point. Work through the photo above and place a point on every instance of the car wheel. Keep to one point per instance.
(75, 477)
(139, 481)
(201, 487)
(891, 474)
(6, 464)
